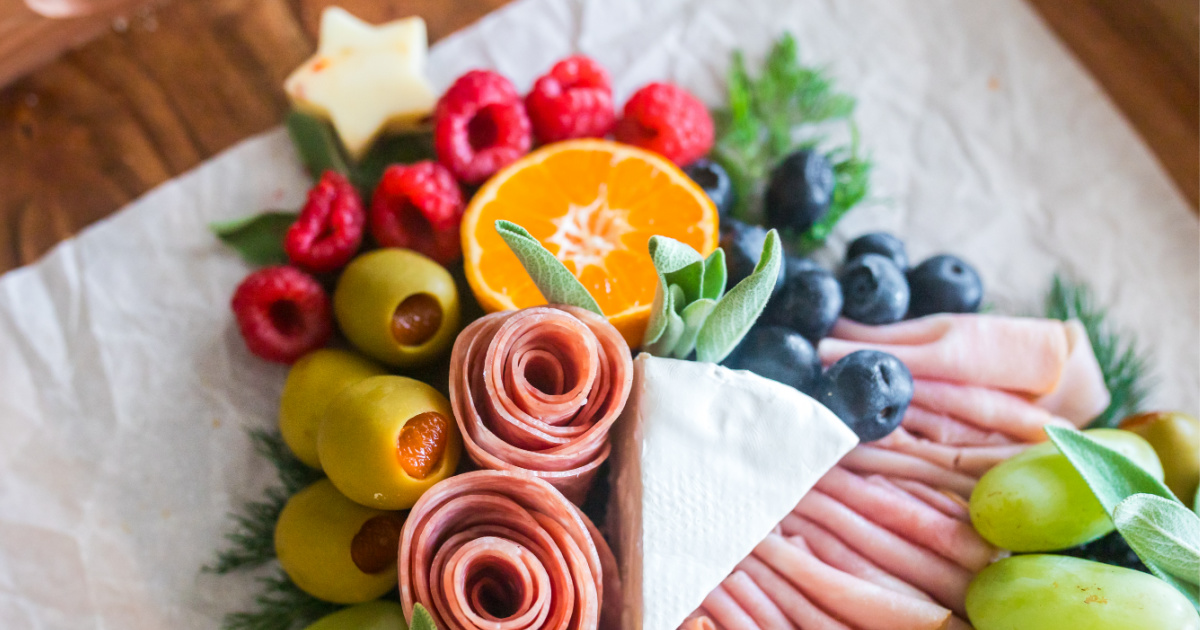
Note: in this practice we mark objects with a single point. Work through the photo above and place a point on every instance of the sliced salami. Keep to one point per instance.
(537, 391)
(506, 551)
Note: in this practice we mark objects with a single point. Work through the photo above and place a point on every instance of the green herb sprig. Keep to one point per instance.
(782, 110)
(1121, 361)
(1158, 527)
(320, 151)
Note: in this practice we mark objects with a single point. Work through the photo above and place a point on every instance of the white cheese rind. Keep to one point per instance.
(707, 461)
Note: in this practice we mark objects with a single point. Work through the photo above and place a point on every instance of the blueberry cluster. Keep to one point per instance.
(880, 287)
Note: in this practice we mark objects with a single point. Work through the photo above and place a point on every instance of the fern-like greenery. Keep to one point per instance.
(1124, 364)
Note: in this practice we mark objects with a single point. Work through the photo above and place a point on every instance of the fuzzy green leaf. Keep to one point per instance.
(660, 315)
(675, 264)
(258, 238)
(1161, 532)
(317, 143)
(714, 275)
(690, 279)
(673, 328)
(1112, 476)
(737, 311)
(694, 315)
(421, 619)
(557, 284)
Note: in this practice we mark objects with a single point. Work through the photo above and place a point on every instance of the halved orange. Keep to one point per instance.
(594, 204)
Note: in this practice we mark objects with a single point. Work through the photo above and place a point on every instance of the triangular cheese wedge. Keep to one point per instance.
(707, 461)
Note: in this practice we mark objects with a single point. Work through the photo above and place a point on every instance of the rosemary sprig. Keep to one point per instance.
(1122, 362)
(280, 605)
(777, 113)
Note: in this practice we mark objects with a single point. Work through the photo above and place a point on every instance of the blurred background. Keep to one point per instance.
(101, 100)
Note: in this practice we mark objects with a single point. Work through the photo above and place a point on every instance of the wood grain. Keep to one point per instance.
(98, 126)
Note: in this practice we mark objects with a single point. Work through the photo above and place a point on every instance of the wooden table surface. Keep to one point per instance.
(165, 88)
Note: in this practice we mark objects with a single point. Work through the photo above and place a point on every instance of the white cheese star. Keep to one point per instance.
(364, 78)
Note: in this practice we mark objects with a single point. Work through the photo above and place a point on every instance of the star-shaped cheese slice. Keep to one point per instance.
(707, 462)
(364, 78)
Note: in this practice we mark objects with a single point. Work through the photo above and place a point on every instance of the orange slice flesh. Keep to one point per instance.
(594, 204)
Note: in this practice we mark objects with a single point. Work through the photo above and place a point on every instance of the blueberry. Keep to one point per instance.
(944, 284)
(779, 354)
(800, 191)
(743, 245)
(869, 391)
(712, 177)
(874, 290)
(809, 302)
(880, 243)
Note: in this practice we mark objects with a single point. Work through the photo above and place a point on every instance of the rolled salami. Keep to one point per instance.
(537, 391)
(505, 550)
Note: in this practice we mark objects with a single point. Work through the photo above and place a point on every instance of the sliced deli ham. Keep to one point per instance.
(1020, 354)
(1081, 394)
(537, 391)
(986, 408)
(492, 545)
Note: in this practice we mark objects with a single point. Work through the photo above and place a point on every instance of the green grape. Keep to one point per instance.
(1036, 501)
(1042, 592)
(369, 616)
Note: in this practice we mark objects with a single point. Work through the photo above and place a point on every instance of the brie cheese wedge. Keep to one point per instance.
(707, 461)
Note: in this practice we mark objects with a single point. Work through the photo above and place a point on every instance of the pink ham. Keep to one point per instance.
(488, 534)
(987, 409)
(942, 428)
(906, 516)
(537, 391)
(869, 459)
(970, 460)
(832, 551)
(798, 608)
(1081, 393)
(1020, 354)
(924, 569)
(857, 601)
(947, 503)
(755, 602)
(720, 605)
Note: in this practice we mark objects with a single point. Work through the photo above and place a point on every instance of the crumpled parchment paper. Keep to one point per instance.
(125, 390)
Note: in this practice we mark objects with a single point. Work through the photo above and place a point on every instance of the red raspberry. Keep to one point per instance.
(419, 206)
(480, 126)
(330, 227)
(283, 313)
(573, 100)
(667, 119)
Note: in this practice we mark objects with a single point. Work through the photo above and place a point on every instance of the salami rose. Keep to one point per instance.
(537, 391)
(506, 551)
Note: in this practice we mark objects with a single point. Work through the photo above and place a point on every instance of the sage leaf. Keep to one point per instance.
(317, 143)
(421, 619)
(737, 311)
(690, 279)
(670, 257)
(257, 238)
(1111, 476)
(1161, 532)
(693, 316)
(673, 329)
(660, 310)
(557, 284)
(714, 275)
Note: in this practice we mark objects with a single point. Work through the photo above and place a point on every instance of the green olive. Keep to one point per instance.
(397, 306)
(313, 381)
(368, 616)
(335, 549)
(387, 439)
(1176, 438)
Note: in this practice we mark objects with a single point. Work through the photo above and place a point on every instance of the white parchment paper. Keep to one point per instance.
(125, 391)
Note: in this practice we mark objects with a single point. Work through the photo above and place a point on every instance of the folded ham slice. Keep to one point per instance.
(488, 546)
(1020, 354)
(986, 408)
(1081, 394)
(537, 390)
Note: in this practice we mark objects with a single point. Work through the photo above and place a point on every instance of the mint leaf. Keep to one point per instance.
(421, 619)
(258, 238)
(1112, 476)
(714, 275)
(1162, 532)
(317, 143)
(737, 311)
(557, 284)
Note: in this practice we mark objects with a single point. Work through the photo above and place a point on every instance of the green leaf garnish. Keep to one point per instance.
(714, 275)
(1124, 366)
(557, 284)
(317, 143)
(320, 150)
(1162, 531)
(421, 619)
(258, 238)
(737, 310)
(280, 605)
(1114, 478)
(776, 114)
